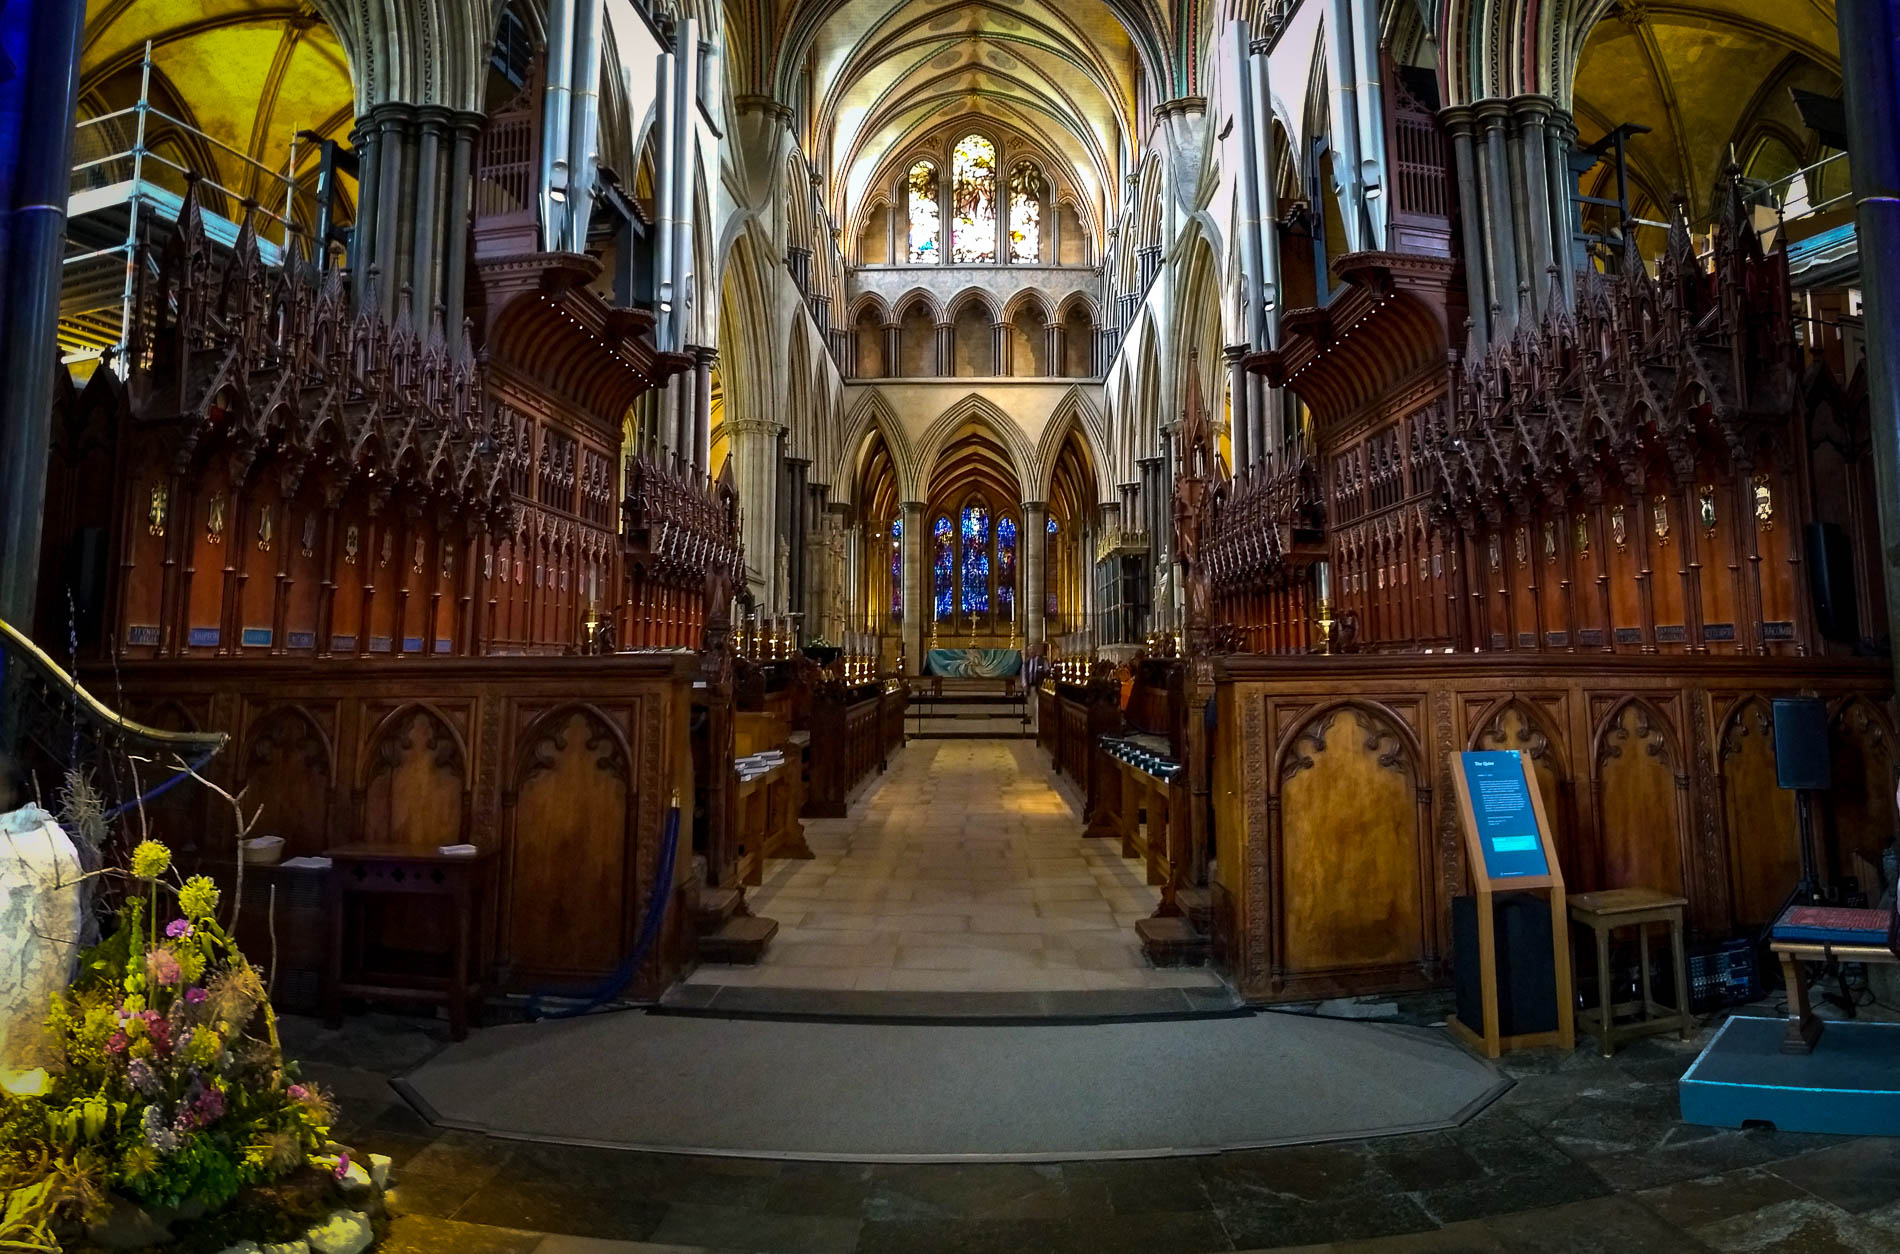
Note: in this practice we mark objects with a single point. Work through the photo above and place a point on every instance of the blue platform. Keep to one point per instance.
(1849, 1085)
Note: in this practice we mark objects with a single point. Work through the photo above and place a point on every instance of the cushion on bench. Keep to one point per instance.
(1832, 925)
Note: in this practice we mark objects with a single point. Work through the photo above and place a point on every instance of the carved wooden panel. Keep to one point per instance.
(1640, 809)
(1350, 836)
(1514, 725)
(571, 860)
(1860, 805)
(1764, 852)
(415, 781)
(289, 770)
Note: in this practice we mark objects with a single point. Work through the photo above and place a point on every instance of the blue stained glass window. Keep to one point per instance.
(897, 568)
(1006, 567)
(945, 566)
(976, 560)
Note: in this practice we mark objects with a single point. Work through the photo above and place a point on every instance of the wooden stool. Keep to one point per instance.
(1613, 908)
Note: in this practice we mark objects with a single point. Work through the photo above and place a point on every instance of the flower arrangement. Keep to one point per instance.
(170, 1087)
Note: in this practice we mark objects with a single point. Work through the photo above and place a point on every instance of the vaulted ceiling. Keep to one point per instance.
(870, 77)
(1704, 75)
(247, 73)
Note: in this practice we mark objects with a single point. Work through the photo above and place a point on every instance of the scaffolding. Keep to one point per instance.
(125, 192)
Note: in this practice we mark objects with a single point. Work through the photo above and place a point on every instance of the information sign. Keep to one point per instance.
(1503, 814)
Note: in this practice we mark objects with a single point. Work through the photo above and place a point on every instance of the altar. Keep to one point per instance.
(974, 663)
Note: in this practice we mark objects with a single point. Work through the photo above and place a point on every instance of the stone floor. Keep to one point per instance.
(961, 869)
(1583, 1155)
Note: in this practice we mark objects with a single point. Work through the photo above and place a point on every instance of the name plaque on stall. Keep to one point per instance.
(1504, 815)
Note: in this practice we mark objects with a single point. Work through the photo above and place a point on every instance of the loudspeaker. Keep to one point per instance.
(1831, 576)
(1527, 968)
(1801, 759)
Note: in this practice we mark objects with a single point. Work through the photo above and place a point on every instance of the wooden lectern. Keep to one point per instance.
(1508, 849)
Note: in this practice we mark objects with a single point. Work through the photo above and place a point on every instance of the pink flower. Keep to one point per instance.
(194, 995)
(296, 1092)
(162, 966)
(343, 1164)
(117, 1043)
(177, 928)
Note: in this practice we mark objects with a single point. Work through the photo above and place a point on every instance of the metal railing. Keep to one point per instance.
(130, 171)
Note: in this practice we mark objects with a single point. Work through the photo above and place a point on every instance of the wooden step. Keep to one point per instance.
(1198, 905)
(739, 941)
(1172, 942)
(713, 906)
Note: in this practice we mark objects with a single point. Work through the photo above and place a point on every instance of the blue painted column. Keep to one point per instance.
(39, 81)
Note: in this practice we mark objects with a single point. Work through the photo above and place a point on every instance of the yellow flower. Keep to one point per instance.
(150, 860)
(204, 1048)
(198, 899)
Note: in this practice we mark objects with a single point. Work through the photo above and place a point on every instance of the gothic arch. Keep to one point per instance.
(1377, 712)
(874, 414)
(974, 408)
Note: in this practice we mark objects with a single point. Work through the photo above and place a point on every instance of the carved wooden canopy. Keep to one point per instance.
(249, 359)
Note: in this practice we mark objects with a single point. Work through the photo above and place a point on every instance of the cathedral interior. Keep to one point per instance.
(874, 625)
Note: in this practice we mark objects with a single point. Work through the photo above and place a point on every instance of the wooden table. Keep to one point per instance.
(1804, 1029)
(465, 882)
(1604, 912)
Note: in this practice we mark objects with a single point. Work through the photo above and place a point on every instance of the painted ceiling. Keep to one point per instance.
(1705, 76)
(247, 73)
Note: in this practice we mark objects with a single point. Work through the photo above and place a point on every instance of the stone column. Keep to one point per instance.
(797, 507)
(1460, 123)
(1531, 113)
(893, 349)
(1494, 176)
(755, 472)
(1058, 342)
(1034, 539)
(1870, 30)
(1002, 351)
(455, 236)
(426, 262)
(1239, 428)
(916, 608)
(704, 359)
(946, 350)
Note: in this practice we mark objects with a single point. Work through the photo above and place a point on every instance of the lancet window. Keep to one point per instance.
(1025, 212)
(925, 215)
(973, 200)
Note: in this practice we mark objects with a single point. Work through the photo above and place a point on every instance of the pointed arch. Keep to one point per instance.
(874, 415)
(974, 409)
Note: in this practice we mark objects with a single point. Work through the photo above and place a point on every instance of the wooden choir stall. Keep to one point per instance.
(393, 574)
(1588, 542)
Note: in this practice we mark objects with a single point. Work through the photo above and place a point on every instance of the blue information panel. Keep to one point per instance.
(1507, 822)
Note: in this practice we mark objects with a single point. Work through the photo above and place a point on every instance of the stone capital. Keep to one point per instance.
(1492, 114)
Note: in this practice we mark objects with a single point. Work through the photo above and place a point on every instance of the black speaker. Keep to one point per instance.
(1527, 968)
(1801, 743)
(1831, 576)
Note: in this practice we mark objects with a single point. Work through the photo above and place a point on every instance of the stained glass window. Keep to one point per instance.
(973, 200)
(925, 216)
(1006, 568)
(943, 535)
(976, 560)
(1025, 213)
(897, 568)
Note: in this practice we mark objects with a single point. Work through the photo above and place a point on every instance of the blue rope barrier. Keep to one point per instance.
(649, 932)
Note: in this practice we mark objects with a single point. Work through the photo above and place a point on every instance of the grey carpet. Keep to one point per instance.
(900, 1092)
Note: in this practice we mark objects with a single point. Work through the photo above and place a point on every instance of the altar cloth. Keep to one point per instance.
(973, 663)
